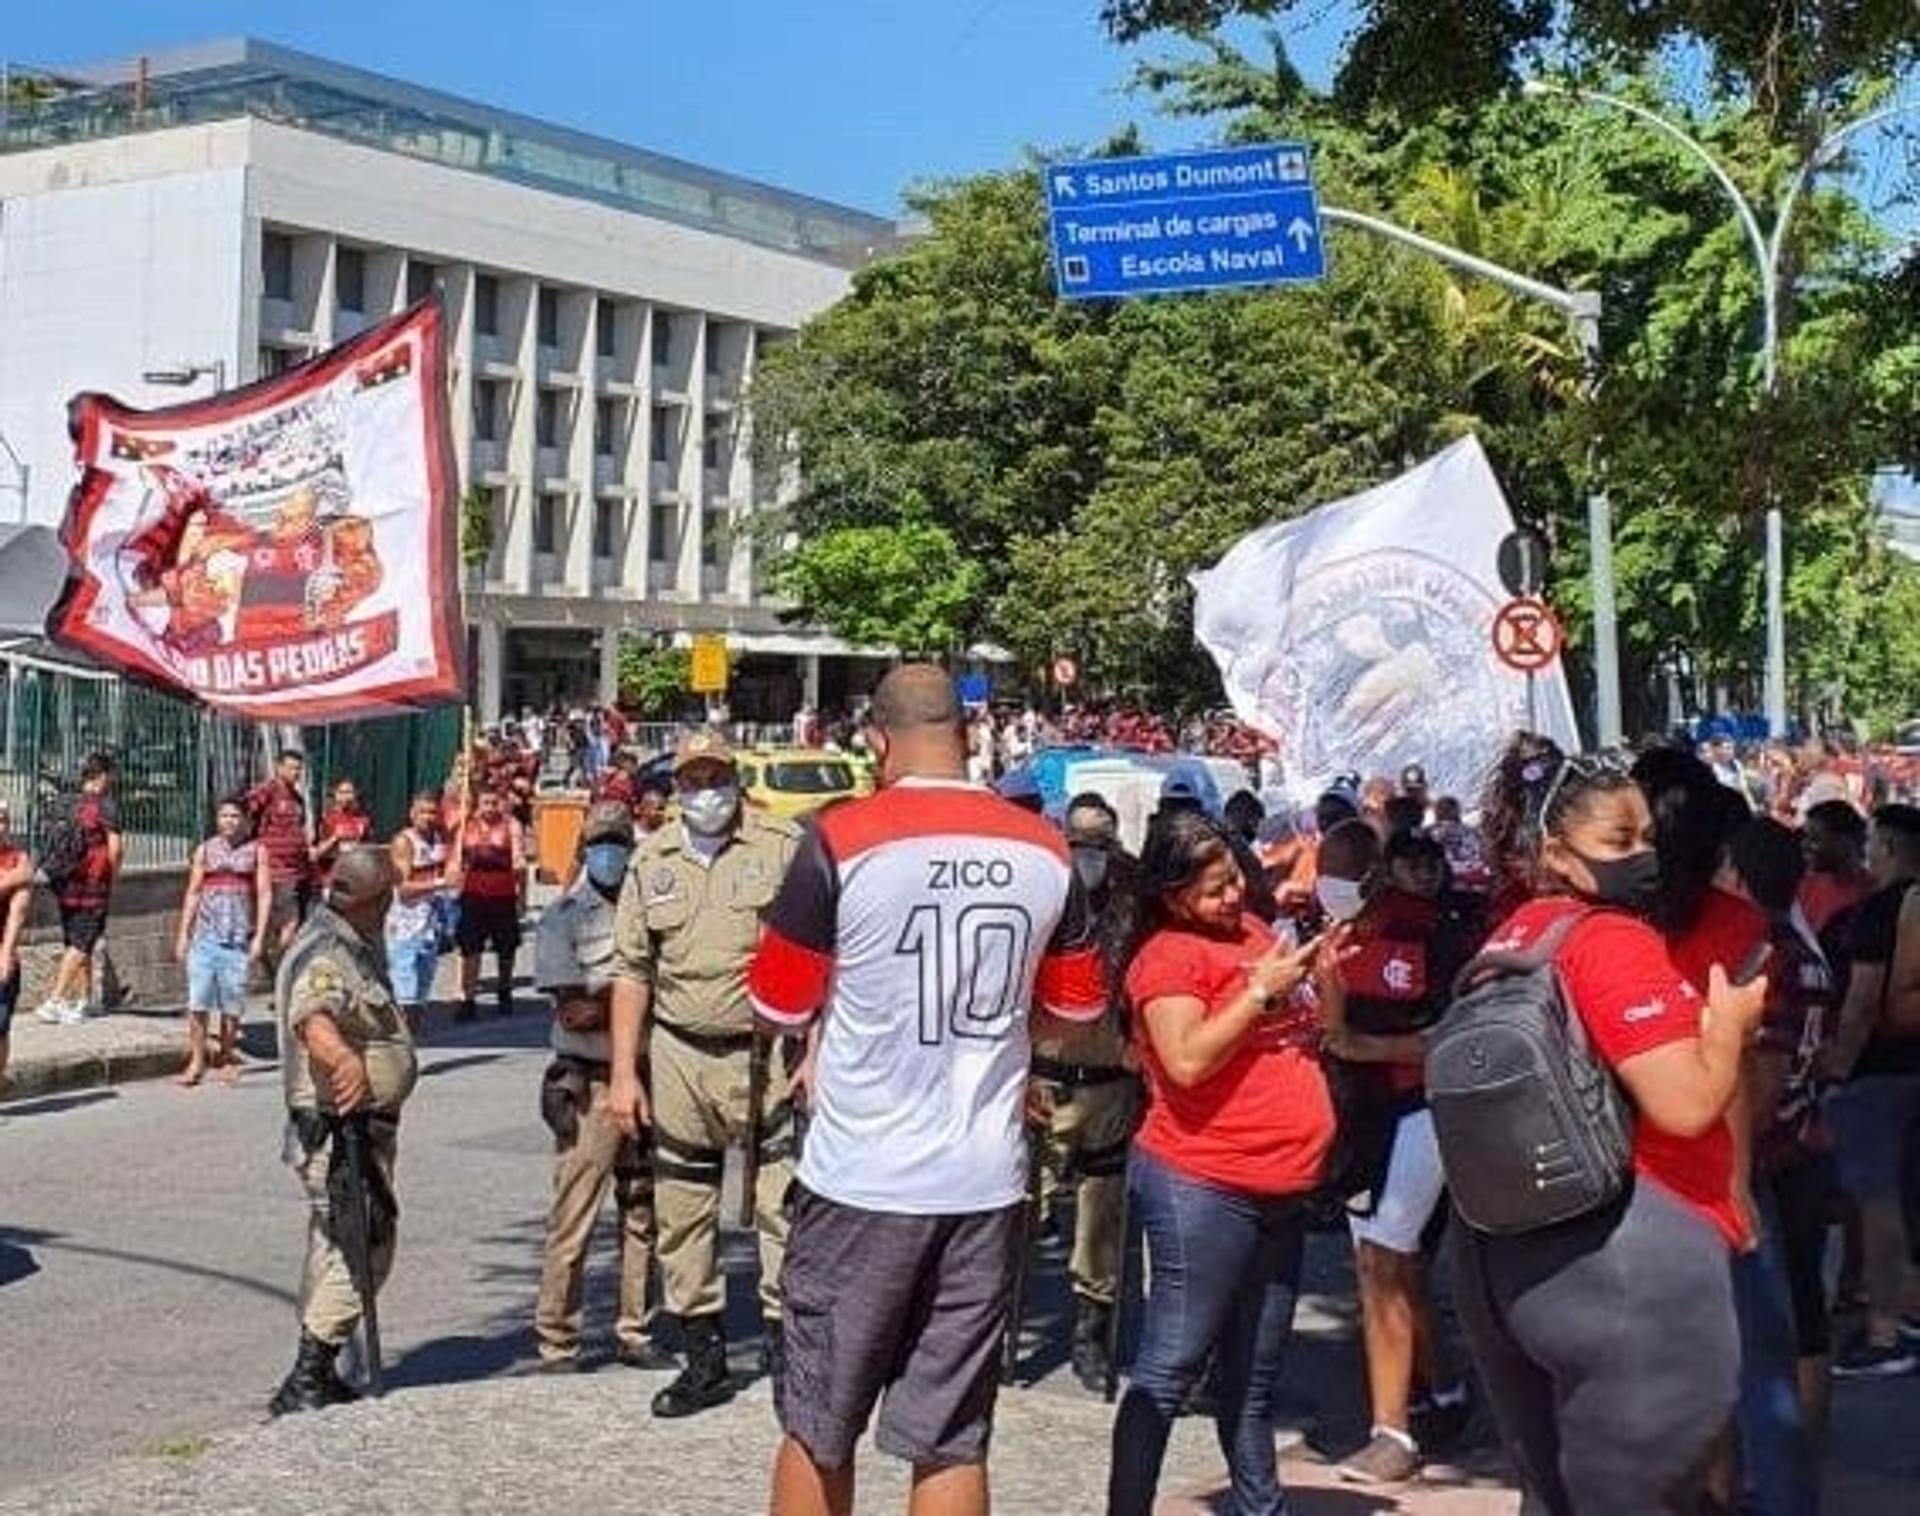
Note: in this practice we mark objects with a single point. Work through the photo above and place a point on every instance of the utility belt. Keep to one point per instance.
(1081, 1076)
(313, 1129)
(713, 1044)
(566, 1094)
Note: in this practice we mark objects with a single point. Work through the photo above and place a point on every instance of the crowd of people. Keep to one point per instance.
(1245, 1033)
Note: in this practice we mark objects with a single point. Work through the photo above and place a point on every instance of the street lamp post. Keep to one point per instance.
(22, 474)
(1767, 252)
(1582, 308)
(184, 374)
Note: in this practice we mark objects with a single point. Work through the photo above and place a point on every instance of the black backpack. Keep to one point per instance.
(1533, 1128)
(63, 842)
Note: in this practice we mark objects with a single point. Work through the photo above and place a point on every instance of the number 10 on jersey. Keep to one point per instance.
(971, 963)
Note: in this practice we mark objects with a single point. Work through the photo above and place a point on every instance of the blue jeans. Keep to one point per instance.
(1777, 1471)
(1225, 1272)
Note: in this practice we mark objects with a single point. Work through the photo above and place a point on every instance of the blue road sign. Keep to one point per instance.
(1186, 221)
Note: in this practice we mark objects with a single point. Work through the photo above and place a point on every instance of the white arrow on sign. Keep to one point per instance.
(1301, 230)
(1063, 186)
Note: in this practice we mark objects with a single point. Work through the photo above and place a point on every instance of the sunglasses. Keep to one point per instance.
(1610, 763)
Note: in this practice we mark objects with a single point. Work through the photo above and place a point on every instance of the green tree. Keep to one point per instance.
(1794, 61)
(653, 679)
(476, 527)
(905, 585)
(1088, 457)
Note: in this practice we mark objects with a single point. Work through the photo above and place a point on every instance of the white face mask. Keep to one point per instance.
(1339, 898)
(710, 812)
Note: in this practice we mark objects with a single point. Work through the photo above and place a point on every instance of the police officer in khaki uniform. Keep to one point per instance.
(346, 1056)
(688, 922)
(1092, 1102)
(573, 962)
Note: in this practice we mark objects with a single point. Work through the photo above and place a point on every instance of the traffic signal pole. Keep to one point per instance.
(1582, 309)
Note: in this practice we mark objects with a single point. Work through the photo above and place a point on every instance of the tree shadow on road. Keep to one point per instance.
(55, 1242)
(52, 1105)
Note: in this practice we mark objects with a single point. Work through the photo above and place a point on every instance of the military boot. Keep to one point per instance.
(704, 1382)
(314, 1383)
(1091, 1364)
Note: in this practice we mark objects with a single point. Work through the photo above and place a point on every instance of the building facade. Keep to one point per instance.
(214, 215)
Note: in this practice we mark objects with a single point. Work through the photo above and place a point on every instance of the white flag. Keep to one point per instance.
(1360, 636)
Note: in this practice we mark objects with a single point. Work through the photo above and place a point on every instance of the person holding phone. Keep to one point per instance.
(1226, 1014)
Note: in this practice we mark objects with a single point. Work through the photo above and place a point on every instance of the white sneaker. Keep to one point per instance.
(52, 1012)
(73, 1012)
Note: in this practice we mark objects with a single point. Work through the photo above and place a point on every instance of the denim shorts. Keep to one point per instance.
(1873, 1118)
(412, 961)
(216, 979)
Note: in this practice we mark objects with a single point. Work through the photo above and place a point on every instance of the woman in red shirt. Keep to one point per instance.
(1227, 1020)
(1608, 1343)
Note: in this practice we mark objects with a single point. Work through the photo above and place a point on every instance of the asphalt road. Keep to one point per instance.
(150, 1242)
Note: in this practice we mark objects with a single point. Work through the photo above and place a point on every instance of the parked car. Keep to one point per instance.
(794, 781)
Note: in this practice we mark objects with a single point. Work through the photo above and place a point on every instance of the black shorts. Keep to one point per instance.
(292, 899)
(487, 923)
(909, 1308)
(9, 998)
(82, 927)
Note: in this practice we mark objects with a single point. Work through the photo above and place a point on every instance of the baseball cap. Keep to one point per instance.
(607, 821)
(1018, 784)
(1345, 789)
(1181, 786)
(704, 744)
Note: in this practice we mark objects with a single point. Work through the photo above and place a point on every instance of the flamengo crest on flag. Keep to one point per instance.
(287, 551)
(1360, 635)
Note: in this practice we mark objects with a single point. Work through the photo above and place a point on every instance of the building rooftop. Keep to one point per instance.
(220, 81)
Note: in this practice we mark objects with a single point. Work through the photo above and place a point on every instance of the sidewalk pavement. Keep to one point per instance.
(108, 1049)
(585, 1442)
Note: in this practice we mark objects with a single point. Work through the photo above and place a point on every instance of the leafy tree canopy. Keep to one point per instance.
(981, 461)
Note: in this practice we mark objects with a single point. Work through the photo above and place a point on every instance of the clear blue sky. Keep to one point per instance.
(849, 99)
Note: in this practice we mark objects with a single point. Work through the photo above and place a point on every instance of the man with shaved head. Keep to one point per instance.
(917, 925)
(346, 1057)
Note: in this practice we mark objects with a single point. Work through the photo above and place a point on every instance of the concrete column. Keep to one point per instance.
(492, 661)
(609, 665)
(810, 679)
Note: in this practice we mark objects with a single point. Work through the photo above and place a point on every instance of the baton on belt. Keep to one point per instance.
(757, 1056)
(1029, 1229)
(352, 1205)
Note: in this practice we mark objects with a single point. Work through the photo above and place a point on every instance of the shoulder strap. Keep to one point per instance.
(1543, 950)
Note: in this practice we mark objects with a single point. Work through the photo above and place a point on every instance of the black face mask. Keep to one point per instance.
(1632, 883)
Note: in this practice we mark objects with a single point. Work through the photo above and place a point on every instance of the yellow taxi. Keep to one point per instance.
(794, 781)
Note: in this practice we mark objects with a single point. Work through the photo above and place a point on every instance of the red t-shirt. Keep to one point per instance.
(279, 816)
(91, 885)
(1824, 896)
(1730, 931)
(1263, 1122)
(349, 827)
(1632, 998)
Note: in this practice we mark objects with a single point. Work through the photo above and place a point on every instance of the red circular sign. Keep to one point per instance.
(1065, 671)
(1526, 636)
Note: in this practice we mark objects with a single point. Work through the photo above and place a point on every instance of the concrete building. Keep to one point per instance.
(217, 213)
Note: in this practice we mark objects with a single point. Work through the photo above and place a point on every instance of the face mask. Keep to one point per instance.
(1341, 899)
(710, 812)
(1091, 863)
(1632, 883)
(607, 863)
